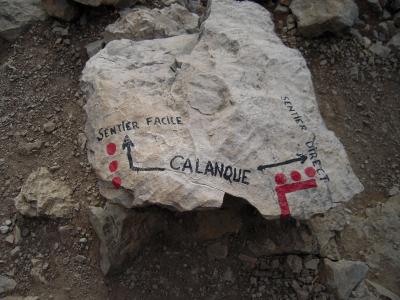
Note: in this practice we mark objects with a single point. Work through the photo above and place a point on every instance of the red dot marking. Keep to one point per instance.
(113, 166)
(116, 181)
(310, 171)
(296, 176)
(280, 178)
(111, 148)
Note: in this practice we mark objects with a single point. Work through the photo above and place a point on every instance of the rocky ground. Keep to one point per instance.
(42, 124)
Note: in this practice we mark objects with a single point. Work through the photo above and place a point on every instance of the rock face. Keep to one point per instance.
(181, 121)
(16, 14)
(144, 23)
(121, 232)
(315, 17)
(62, 9)
(343, 276)
(42, 196)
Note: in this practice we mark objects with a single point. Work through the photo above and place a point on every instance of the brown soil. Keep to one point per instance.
(39, 82)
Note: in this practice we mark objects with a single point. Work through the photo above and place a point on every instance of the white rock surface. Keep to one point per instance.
(236, 96)
(315, 17)
(16, 14)
(144, 23)
(42, 196)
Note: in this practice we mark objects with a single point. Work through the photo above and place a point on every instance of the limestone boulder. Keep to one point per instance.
(315, 17)
(43, 196)
(15, 15)
(145, 23)
(181, 121)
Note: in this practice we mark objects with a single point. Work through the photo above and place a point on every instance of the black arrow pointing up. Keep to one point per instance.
(301, 158)
(127, 143)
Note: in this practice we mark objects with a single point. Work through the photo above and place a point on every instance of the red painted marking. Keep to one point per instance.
(296, 176)
(280, 178)
(111, 148)
(116, 181)
(113, 166)
(282, 190)
(310, 172)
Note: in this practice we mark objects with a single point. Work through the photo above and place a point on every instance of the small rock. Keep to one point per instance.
(228, 275)
(316, 17)
(380, 50)
(28, 148)
(6, 284)
(42, 196)
(80, 258)
(49, 126)
(15, 251)
(395, 42)
(312, 264)
(4, 229)
(343, 276)
(8, 222)
(295, 263)
(10, 239)
(281, 9)
(394, 191)
(83, 240)
(94, 47)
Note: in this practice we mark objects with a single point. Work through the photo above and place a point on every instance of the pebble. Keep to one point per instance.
(394, 191)
(15, 251)
(312, 264)
(10, 239)
(4, 229)
(83, 240)
(295, 263)
(49, 126)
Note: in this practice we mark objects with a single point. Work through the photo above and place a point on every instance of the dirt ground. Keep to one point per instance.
(39, 82)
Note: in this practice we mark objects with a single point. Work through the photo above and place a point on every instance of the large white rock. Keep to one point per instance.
(144, 23)
(185, 105)
(16, 14)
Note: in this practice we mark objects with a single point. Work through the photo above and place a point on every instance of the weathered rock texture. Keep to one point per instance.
(16, 14)
(343, 276)
(315, 17)
(164, 115)
(144, 23)
(122, 232)
(377, 239)
(42, 196)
